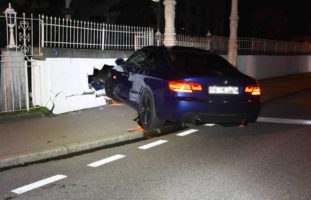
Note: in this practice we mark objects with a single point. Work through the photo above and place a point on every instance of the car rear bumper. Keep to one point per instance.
(198, 118)
(209, 111)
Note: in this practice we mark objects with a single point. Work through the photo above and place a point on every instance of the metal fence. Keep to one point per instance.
(272, 46)
(64, 33)
(52, 32)
(216, 43)
(245, 44)
(26, 34)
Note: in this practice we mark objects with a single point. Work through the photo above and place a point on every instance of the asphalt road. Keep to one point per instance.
(261, 161)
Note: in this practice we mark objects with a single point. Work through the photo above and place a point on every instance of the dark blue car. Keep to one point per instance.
(181, 84)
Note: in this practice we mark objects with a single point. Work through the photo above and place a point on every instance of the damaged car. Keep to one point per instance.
(181, 84)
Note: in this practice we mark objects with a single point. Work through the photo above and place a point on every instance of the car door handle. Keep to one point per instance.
(125, 74)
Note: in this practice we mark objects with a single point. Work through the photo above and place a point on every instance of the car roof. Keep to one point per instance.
(178, 49)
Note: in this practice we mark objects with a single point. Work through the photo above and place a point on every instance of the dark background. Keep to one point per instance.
(271, 19)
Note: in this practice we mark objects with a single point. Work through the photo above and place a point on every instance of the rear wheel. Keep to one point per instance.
(147, 114)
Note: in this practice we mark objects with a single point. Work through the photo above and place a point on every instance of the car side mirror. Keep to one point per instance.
(120, 61)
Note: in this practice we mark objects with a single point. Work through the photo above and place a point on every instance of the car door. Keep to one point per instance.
(127, 77)
(142, 72)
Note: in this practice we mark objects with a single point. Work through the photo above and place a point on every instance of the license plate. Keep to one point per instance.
(223, 90)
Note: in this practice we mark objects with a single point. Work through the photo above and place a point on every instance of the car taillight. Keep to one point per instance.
(254, 90)
(184, 86)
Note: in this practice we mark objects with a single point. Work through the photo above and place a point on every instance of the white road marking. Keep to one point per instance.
(284, 120)
(209, 124)
(153, 144)
(38, 184)
(188, 132)
(106, 160)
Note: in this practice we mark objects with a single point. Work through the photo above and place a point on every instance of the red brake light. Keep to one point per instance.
(196, 86)
(184, 86)
(254, 90)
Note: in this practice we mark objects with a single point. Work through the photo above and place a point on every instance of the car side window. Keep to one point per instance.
(136, 60)
(150, 61)
(143, 59)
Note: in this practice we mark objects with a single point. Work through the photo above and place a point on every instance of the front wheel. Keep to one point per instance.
(147, 114)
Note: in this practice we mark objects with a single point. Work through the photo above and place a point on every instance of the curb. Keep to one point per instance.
(65, 150)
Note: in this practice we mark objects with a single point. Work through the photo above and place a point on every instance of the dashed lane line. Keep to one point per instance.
(38, 184)
(153, 144)
(188, 132)
(284, 120)
(106, 160)
(209, 124)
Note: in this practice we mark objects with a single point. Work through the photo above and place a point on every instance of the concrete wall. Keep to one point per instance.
(61, 77)
(264, 66)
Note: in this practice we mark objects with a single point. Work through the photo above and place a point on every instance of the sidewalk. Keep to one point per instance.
(33, 138)
(274, 88)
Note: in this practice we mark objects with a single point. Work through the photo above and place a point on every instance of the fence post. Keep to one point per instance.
(26, 86)
(209, 37)
(151, 37)
(103, 37)
(32, 33)
(24, 48)
(158, 37)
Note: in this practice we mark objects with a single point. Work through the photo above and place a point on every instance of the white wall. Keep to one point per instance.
(61, 84)
(263, 66)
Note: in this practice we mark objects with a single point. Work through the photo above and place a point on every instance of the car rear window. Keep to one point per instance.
(201, 64)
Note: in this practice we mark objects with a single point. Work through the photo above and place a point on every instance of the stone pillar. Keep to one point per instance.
(13, 95)
(233, 44)
(169, 15)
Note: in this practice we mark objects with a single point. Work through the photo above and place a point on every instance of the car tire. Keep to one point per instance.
(147, 113)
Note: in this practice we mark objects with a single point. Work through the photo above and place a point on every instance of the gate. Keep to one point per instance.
(17, 40)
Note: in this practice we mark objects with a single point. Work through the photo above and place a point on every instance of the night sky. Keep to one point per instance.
(277, 19)
(274, 19)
